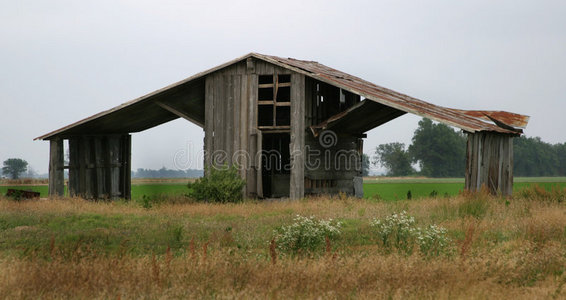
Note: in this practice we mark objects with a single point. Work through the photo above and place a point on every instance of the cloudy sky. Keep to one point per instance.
(61, 61)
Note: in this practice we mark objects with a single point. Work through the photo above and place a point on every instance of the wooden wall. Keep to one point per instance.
(100, 166)
(231, 134)
(490, 162)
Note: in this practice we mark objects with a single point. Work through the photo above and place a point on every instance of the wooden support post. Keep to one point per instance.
(489, 162)
(126, 168)
(56, 176)
(208, 122)
(297, 145)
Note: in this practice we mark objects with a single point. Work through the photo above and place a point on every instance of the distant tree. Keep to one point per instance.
(439, 150)
(394, 158)
(365, 165)
(14, 167)
(30, 173)
(533, 157)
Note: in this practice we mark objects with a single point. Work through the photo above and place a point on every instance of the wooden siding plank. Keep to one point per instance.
(127, 166)
(56, 175)
(218, 119)
(229, 118)
(297, 146)
(74, 168)
(252, 82)
(236, 93)
(209, 121)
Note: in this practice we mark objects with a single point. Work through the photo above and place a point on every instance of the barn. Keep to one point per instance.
(291, 127)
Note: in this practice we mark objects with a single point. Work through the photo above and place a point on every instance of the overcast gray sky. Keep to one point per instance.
(61, 61)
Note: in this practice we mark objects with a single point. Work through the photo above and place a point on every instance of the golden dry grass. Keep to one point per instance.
(502, 249)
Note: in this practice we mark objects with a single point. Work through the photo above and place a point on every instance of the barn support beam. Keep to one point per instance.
(297, 145)
(56, 176)
(489, 163)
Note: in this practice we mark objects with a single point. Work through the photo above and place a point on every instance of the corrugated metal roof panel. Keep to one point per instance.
(471, 121)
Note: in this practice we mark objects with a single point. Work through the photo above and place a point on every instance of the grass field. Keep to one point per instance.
(72, 248)
(389, 189)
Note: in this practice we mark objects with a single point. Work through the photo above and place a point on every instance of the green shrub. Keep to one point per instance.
(219, 185)
(306, 234)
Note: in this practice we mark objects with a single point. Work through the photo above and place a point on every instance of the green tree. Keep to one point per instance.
(533, 157)
(439, 150)
(14, 167)
(394, 158)
(365, 164)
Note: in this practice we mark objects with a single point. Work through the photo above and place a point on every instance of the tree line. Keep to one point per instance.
(440, 151)
(166, 173)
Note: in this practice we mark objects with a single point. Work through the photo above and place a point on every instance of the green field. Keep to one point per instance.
(388, 189)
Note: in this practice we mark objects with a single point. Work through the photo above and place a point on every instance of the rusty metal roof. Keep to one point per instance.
(145, 112)
(471, 121)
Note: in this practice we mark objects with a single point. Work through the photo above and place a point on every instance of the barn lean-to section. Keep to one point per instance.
(292, 127)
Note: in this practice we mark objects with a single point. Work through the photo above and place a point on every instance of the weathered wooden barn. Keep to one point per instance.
(292, 127)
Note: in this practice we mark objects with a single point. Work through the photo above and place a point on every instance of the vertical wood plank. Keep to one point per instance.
(252, 134)
(114, 166)
(219, 129)
(74, 167)
(56, 175)
(127, 166)
(243, 118)
(229, 118)
(99, 168)
(297, 182)
(259, 179)
(208, 120)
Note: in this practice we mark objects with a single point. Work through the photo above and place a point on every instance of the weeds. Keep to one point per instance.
(70, 248)
(399, 232)
(306, 234)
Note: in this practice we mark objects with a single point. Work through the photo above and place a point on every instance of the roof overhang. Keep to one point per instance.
(186, 99)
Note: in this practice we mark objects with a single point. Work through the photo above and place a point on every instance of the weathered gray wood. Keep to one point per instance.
(244, 127)
(56, 176)
(489, 163)
(74, 167)
(228, 118)
(297, 146)
(114, 166)
(219, 129)
(358, 187)
(252, 134)
(259, 179)
(209, 121)
(99, 165)
(236, 93)
(127, 166)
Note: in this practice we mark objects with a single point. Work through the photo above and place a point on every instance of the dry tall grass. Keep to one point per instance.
(503, 248)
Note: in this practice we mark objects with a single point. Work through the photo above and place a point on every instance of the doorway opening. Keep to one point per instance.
(276, 164)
